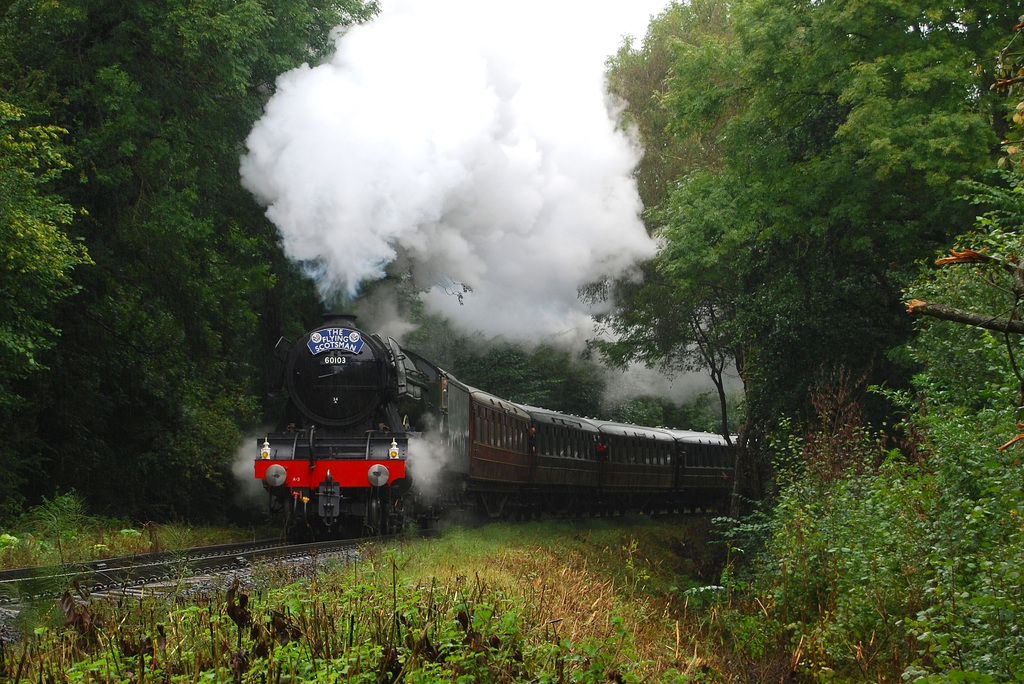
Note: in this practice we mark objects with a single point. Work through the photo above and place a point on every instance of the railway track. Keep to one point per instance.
(128, 574)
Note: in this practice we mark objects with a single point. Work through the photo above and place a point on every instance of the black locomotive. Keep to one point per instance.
(375, 436)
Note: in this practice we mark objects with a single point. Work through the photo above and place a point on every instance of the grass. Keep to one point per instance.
(60, 531)
(596, 601)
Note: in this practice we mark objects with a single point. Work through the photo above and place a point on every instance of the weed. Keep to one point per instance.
(539, 603)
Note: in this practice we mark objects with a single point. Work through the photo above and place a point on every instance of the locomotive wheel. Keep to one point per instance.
(371, 522)
(397, 518)
(297, 529)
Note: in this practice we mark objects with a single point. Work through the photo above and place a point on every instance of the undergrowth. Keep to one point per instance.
(60, 531)
(545, 602)
(875, 563)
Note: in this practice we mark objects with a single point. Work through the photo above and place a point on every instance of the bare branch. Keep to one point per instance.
(949, 313)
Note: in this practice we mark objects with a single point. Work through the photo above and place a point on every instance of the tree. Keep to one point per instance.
(679, 317)
(157, 369)
(694, 43)
(840, 130)
(38, 259)
(981, 283)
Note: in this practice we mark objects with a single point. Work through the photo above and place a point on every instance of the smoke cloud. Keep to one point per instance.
(249, 494)
(471, 144)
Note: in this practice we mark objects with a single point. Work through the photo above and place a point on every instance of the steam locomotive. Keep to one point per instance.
(375, 437)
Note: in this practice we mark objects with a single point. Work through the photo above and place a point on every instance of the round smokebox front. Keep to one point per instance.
(335, 376)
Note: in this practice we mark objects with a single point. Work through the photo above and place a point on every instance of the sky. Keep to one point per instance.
(469, 143)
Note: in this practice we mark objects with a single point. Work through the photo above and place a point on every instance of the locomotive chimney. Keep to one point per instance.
(341, 320)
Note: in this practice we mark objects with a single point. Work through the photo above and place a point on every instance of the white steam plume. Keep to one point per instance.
(469, 142)
(249, 493)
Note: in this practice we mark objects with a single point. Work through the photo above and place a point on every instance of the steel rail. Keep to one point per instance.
(109, 574)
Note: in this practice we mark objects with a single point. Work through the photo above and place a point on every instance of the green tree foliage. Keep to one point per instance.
(679, 317)
(38, 259)
(980, 284)
(155, 370)
(824, 143)
(886, 563)
(687, 42)
(972, 302)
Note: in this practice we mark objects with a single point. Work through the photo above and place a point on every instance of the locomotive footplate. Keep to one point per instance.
(320, 445)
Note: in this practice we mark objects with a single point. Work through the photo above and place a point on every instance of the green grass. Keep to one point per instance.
(596, 601)
(60, 531)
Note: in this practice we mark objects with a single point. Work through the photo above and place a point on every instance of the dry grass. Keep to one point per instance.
(618, 583)
(600, 601)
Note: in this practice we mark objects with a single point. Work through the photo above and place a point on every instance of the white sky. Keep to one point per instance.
(469, 141)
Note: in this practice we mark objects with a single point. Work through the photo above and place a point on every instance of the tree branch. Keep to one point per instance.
(969, 256)
(949, 313)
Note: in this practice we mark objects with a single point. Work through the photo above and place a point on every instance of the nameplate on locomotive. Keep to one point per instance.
(331, 339)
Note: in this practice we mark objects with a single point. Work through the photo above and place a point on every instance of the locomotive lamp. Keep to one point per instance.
(393, 451)
(378, 475)
(265, 451)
